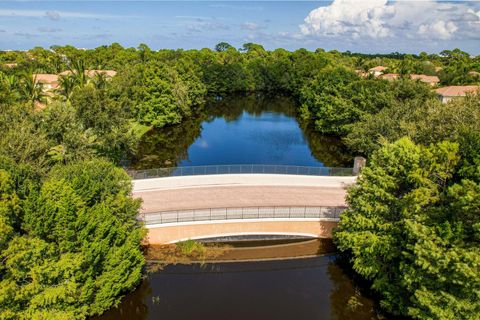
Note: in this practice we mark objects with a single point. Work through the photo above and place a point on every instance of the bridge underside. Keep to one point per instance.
(171, 233)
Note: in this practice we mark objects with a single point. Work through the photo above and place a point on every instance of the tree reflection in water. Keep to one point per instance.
(168, 147)
(296, 288)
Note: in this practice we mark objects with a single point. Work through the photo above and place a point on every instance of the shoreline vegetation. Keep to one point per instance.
(185, 252)
(69, 240)
(192, 251)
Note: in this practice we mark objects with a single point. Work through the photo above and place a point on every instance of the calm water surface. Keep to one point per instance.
(296, 288)
(247, 130)
(241, 130)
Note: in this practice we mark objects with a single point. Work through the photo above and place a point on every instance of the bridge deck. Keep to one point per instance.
(218, 191)
(240, 196)
(247, 190)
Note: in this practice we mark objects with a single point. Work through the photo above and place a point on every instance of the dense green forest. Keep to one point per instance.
(69, 240)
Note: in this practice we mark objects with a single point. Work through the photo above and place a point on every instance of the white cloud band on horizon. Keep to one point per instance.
(376, 19)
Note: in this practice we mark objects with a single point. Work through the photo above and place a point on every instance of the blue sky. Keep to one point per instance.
(355, 25)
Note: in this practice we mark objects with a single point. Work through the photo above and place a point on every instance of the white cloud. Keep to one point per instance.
(349, 17)
(206, 26)
(250, 26)
(441, 29)
(48, 30)
(377, 19)
(53, 15)
(56, 15)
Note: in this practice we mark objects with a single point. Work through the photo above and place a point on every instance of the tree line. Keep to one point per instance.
(69, 240)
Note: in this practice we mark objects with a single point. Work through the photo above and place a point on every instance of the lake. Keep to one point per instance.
(254, 129)
(308, 285)
(262, 279)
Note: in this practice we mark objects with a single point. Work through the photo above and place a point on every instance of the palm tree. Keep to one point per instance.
(32, 89)
(78, 70)
(67, 84)
(10, 83)
(100, 80)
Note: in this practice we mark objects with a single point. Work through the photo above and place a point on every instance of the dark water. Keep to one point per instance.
(305, 284)
(294, 288)
(241, 130)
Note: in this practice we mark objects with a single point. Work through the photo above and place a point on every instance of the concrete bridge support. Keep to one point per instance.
(171, 233)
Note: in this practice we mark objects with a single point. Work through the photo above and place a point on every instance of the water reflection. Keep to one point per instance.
(241, 130)
(306, 288)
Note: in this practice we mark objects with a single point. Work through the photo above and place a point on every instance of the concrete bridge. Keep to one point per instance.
(204, 206)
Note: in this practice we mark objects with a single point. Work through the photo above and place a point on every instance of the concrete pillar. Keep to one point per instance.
(358, 164)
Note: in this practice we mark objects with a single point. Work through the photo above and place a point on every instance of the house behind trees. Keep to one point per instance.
(446, 94)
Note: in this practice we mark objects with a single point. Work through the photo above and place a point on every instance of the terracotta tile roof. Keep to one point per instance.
(108, 73)
(390, 76)
(65, 73)
(474, 73)
(456, 91)
(361, 73)
(377, 68)
(45, 78)
(91, 73)
(425, 78)
(39, 106)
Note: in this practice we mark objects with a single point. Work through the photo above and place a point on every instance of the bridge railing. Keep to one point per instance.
(242, 213)
(239, 169)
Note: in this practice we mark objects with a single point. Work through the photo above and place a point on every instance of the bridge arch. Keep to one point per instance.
(256, 234)
(175, 226)
(172, 233)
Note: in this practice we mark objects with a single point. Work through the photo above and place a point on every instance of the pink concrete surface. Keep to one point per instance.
(240, 196)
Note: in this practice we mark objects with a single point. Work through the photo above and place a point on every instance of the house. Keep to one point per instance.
(446, 94)
(49, 81)
(107, 73)
(361, 73)
(474, 74)
(39, 105)
(431, 80)
(91, 73)
(377, 71)
(10, 65)
(65, 73)
(389, 76)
